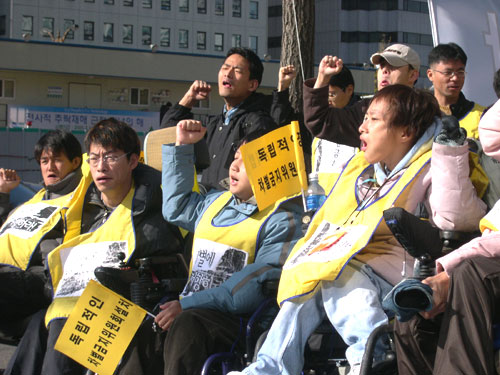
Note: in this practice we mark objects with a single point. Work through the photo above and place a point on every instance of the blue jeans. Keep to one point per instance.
(352, 303)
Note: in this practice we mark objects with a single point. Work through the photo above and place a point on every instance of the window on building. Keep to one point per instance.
(128, 3)
(165, 4)
(183, 38)
(128, 34)
(68, 26)
(146, 35)
(236, 40)
(275, 11)
(415, 38)
(415, 6)
(219, 42)
(253, 43)
(90, 1)
(109, 2)
(165, 37)
(183, 5)
(254, 10)
(368, 37)
(148, 4)
(7, 88)
(236, 8)
(3, 20)
(107, 32)
(47, 26)
(201, 40)
(139, 96)
(88, 30)
(369, 4)
(219, 7)
(202, 6)
(27, 25)
(274, 42)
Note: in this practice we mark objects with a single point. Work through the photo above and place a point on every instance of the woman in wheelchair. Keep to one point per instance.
(349, 260)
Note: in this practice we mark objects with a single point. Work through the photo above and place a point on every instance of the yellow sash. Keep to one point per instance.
(72, 264)
(230, 247)
(26, 227)
(341, 228)
(471, 121)
(492, 219)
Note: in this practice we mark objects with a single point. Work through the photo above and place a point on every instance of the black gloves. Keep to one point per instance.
(451, 134)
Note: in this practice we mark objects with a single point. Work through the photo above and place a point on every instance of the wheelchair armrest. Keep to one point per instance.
(163, 260)
(454, 239)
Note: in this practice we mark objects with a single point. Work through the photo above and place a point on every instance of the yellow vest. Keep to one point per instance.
(341, 228)
(219, 251)
(26, 227)
(470, 121)
(72, 264)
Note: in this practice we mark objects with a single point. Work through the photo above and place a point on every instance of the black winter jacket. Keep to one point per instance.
(222, 140)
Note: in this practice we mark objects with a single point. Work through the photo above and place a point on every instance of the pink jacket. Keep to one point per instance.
(447, 193)
(488, 244)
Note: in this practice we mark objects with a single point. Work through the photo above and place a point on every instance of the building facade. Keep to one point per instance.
(120, 55)
(355, 29)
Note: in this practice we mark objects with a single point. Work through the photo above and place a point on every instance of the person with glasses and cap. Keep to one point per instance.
(447, 73)
(398, 63)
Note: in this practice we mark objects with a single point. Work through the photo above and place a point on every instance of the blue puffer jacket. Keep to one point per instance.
(242, 292)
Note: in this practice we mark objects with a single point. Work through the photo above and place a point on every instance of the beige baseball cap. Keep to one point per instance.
(397, 55)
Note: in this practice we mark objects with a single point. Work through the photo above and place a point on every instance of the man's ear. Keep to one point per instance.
(406, 135)
(253, 85)
(414, 75)
(77, 160)
(430, 74)
(349, 90)
(134, 160)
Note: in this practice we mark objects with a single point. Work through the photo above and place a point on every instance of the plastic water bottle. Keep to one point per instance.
(315, 195)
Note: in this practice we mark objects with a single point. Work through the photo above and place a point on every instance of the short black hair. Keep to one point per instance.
(496, 83)
(115, 134)
(446, 52)
(59, 142)
(255, 65)
(414, 109)
(343, 79)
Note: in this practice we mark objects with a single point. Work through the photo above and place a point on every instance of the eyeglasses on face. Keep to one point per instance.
(450, 73)
(108, 159)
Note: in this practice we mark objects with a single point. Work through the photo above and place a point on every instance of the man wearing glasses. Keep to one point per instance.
(447, 73)
(116, 211)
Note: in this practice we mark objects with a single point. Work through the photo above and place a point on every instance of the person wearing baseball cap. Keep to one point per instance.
(398, 63)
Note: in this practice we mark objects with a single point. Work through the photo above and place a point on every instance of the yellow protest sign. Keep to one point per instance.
(99, 329)
(275, 165)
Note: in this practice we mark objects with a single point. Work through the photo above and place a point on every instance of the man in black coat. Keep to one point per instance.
(244, 111)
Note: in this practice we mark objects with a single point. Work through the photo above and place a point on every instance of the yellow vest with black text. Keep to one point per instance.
(344, 225)
(27, 225)
(220, 251)
(72, 264)
(470, 121)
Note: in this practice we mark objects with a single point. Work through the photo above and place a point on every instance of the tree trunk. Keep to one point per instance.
(304, 11)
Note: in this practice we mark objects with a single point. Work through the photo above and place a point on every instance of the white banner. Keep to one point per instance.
(81, 119)
(475, 26)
